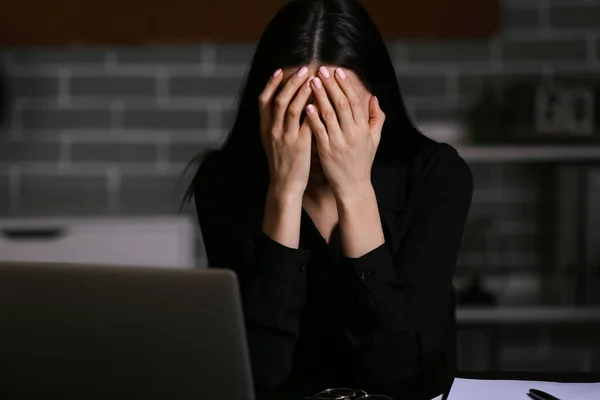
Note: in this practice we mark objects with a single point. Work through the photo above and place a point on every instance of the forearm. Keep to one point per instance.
(281, 221)
(394, 322)
(274, 295)
(275, 291)
(359, 222)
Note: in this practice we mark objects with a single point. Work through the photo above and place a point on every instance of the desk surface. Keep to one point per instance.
(509, 375)
(533, 376)
(579, 377)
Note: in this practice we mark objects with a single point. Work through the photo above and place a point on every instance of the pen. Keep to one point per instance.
(539, 395)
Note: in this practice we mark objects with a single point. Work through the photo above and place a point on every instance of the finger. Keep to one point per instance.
(265, 99)
(338, 98)
(326, 110)
(317, 127)
(376, 115)
(376, 118)
(283, 99)
(296, 108)
(352, 96)
(305, 130)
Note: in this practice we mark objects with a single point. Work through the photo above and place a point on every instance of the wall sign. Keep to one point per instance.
(565, 110)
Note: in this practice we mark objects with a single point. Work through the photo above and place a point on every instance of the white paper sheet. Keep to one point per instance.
(439, 397)
(476, 389)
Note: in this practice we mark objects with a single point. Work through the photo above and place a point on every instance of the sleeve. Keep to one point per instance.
(271, 278)
(408, 294)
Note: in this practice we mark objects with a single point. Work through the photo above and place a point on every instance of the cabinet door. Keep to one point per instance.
(114, 22)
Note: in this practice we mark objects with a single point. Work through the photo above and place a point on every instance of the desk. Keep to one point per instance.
(498, 375)
(532, 376)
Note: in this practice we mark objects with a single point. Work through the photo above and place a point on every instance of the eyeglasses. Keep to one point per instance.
(346, 394)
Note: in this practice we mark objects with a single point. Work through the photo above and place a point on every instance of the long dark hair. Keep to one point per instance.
(328, 32)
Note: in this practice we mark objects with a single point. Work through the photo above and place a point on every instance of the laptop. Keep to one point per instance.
(101, 332)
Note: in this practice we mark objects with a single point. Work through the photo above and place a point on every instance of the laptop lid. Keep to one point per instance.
(99, 332)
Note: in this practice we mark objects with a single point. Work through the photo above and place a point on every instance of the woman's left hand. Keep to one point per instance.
(348, 135)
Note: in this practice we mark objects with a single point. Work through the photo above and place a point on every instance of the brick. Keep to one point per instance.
(585, 78)
(64, 119)
(63, 56)
(56, 195)
(433, 85)
(35, 86)
(113, 86)
(159, 55)
(474, 241)
(521, 176)
(165, 120)
(565, 336)
(185, 152)
(572, 50)
(4, 195)
(228, 118)
(151, 194)
(397, 50)
(448, 51)
(483, 176)
(204, 87)
(4, 55)
(519, 244)
(577, 16)
(505, 211)
(234, 54)
(114, 152)
(520, 18)
(428, 113)
(188, 209)
(14, 152)
(556, 360)
(519, 336)
(471, 85)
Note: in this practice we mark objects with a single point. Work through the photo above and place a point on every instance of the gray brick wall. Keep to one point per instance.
(108, 131)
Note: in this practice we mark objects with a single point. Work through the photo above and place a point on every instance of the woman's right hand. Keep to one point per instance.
(286, 140)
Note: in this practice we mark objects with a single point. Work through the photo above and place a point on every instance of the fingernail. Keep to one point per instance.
(311, 109)
(324, 71)
(276, 73)
(376, 101)
(302, 72)
(317, 83)
(340, 73)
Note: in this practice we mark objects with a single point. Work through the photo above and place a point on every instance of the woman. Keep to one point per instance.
(342, 221)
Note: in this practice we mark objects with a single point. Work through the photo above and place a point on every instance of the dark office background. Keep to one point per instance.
(108, 132)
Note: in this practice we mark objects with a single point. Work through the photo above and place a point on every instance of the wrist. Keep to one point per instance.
(283, 198)
(282, 216)
(356, 195)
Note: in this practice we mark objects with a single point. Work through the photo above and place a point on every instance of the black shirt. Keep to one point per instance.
(315, 319)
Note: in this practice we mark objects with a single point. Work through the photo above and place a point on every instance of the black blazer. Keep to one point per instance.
(409, 345)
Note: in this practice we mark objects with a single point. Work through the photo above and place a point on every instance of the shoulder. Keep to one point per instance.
(221, 187)
(438, 165)
(208, 170)
(433, 171)
(435, 157)
(209, 180)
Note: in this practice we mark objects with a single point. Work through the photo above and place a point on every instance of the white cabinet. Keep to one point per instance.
(152, 241)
